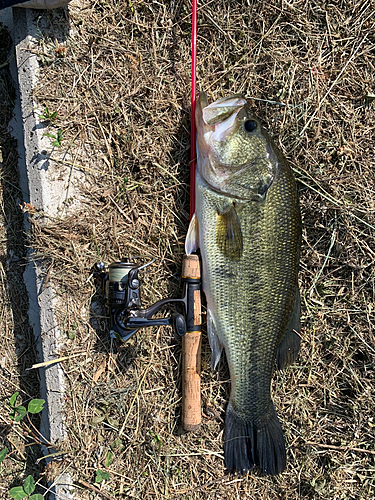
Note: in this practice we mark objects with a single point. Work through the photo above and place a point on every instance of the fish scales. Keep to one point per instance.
(252, 292)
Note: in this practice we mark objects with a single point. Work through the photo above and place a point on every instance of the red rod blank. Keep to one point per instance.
(193, 101)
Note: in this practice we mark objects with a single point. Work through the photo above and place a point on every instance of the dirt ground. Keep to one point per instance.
(118, 76)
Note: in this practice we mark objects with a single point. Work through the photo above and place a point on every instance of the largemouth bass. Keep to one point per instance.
(247, 224)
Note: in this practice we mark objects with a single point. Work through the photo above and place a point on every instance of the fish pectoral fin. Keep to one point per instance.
(215, 345)
(288, 350)
(192, 237)
(229, 234)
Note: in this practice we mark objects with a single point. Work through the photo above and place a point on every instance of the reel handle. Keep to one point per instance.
(191, 345)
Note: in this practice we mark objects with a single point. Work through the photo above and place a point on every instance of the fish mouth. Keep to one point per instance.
(222, 109)
(219, 117)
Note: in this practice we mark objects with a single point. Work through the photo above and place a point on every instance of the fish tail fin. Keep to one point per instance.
(254, 442)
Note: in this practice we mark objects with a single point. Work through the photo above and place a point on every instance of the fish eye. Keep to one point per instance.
(250, 125)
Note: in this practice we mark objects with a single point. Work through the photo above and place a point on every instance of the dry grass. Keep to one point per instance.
(122, 91)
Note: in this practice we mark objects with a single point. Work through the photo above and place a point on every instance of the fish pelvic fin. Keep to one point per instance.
(215, 345)
(229, 234)
(288, 350)
(254, 442)
(192, 237)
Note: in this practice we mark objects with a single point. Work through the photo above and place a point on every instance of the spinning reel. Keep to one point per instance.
(121, 292)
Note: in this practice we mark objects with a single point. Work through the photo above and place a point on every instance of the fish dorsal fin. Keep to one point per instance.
(192, 237)
(288, 351)
(229, 234)
(215, 345)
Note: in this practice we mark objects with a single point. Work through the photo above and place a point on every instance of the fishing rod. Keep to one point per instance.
(122, 296)
(191, 342)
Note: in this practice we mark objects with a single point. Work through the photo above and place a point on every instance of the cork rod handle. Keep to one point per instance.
(191, 345)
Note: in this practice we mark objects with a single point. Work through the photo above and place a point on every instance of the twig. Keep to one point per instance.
(120, 210)
(361, 339)
(339, 448)
(179, 183)
(7, 61)
(205, 13)
(46, 280)
(93, 488)
(52, 455)
(283, 104)
(53, 361)
(333, 237)
(16, 447)
(134, 399)
(205, 485)
(134, 211)
(39, 440)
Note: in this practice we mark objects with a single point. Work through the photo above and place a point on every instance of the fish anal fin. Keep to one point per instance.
(288, 350)
(192, 237)
(229, 234)
(215, 345)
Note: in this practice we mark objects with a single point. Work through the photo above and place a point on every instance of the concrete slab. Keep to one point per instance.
(46, 191)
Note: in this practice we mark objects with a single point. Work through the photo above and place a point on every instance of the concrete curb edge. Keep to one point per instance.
(33, 166)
